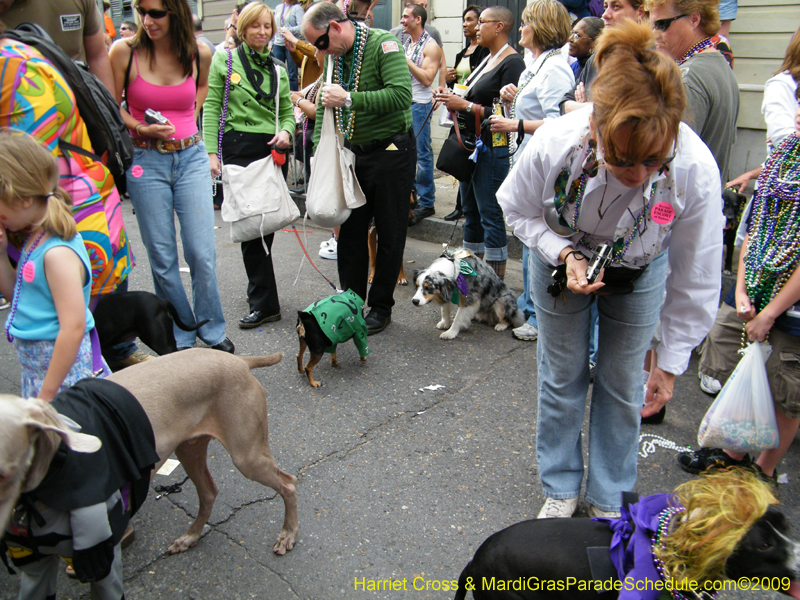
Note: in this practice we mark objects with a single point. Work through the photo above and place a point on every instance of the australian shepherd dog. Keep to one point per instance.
(461, 279)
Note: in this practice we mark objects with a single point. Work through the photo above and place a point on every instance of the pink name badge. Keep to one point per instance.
(137, 170)
(29, 272)
(662, 213)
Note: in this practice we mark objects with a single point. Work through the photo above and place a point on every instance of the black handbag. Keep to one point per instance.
(454, 155)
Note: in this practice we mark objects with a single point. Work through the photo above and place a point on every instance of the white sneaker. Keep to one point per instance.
(4, 304)
(709, 385)
(595, 512)
(330, 251)
(527, 332)
(328, 242)
(558, 509)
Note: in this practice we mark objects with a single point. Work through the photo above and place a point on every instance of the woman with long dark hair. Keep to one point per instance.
(162, 69)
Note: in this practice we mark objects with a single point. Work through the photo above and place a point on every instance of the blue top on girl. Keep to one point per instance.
(49, 319)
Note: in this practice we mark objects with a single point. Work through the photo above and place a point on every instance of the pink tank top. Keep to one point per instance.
(175, 102)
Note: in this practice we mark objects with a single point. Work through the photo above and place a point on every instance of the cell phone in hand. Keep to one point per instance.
(154, 117)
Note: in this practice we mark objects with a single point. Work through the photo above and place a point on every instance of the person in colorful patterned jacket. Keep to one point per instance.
(371, 98)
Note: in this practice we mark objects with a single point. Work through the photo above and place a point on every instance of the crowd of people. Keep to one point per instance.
(602, 137)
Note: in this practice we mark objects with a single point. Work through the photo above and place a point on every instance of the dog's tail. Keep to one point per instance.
(461, 593)
(174, 314)
(256, 362)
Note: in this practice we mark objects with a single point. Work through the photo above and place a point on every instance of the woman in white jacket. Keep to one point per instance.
(626, 174)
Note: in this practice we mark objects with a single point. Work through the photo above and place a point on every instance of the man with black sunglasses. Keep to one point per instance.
(684, 30)
(75, 25)
(371, 101)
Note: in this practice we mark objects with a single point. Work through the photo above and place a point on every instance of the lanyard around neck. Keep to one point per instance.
(486, 65)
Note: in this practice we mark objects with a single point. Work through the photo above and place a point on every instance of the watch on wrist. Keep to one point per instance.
(348, 101)
(469, 107)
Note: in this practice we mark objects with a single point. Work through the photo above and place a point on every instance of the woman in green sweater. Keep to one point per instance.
(249, 135)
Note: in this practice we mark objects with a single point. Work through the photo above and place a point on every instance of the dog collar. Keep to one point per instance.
(465, 270)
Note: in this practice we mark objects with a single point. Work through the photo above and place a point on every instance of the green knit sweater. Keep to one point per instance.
(245, 113)
(383, 100)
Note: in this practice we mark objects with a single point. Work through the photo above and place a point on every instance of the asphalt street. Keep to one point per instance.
(396, 481)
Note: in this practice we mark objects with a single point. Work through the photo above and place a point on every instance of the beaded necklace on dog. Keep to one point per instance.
(463, 268)
(658, 546)
(698, 47)
(773, 249)
(359, 45)
(417, 55)
(20, 269)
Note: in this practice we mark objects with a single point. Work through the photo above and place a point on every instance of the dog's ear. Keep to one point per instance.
(43, 421)
(44, 417)
(415, 275)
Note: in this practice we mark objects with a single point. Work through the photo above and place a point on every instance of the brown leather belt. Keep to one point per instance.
(167, 146)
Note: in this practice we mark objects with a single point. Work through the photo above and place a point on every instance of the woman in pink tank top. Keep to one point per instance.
(163, 73)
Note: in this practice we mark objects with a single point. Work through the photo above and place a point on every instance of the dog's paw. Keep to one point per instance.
(183, 543)
(501, 327)
(442, 324)
(285, 542)
(449, 335)
(402, 281)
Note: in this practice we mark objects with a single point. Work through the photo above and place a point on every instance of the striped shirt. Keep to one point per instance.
(383, 101)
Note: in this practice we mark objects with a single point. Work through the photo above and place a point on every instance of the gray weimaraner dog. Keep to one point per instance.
(189, 398)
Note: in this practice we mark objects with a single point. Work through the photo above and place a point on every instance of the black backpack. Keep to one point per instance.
(108, 133)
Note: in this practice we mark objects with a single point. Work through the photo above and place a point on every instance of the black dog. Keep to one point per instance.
(124, 316)
(732, 205)
(549, 559)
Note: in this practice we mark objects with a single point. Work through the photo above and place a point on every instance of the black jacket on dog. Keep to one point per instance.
(76, 479)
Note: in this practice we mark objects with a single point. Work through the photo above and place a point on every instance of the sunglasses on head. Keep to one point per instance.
(323, 41)
(153, 14)
(663, 24)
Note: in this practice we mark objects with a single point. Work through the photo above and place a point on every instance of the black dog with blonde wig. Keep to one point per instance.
(462, 279)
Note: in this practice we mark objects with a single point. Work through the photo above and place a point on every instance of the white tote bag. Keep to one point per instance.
(333, 189)
(257, 200)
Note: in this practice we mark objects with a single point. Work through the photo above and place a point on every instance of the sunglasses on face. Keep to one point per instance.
(648, 163)
(153, 14)
(125, 29)
(323, 41)
(663, 24)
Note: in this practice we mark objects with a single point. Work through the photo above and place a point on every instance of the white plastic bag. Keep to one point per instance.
(742, 418)
(333, 189)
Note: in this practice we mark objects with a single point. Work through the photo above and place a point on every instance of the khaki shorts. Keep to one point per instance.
(719, 358)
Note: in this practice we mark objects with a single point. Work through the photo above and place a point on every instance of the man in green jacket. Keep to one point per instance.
(371, 101)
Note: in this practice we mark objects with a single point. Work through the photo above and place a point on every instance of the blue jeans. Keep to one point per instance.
(179, 183)
(484, 223)
(525, 301)
(423, 185)
(283, 55)
(626, 328)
